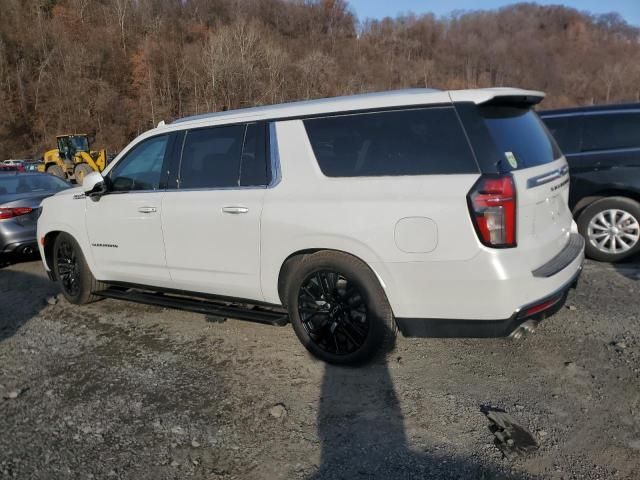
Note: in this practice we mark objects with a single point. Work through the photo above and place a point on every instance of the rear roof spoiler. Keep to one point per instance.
(498, 96)
(519, 100)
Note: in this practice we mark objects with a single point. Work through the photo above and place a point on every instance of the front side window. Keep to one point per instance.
(425, 141)
(141, 168)
(611, 131)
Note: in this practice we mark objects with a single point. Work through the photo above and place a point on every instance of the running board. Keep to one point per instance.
(252, 313)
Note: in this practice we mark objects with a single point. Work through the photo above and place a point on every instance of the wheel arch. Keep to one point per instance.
(49, 241)
(52, 232)
(289, 263)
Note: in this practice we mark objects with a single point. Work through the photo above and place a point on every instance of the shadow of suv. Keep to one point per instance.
(602, 145)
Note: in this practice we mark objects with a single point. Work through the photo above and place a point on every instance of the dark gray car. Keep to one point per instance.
(20, 197)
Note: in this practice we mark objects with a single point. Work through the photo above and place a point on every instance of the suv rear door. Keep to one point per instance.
(211, 212)
(508, 137)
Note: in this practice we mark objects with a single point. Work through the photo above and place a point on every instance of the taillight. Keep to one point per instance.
(13, 212)
(492, 204)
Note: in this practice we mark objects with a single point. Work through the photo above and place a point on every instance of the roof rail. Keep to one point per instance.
(305, 103)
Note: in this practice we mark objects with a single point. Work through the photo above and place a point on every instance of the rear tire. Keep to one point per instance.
(338, 308)
(57, 171)
(80, 171)
(72, 272)
(611, 228)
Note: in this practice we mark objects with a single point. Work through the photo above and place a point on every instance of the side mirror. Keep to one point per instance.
(94, 185)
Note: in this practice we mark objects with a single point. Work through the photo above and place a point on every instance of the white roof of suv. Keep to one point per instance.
(365, 101)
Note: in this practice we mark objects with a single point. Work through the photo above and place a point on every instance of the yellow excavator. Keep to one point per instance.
(73, 159)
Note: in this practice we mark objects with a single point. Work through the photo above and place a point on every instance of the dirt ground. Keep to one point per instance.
(124, 391)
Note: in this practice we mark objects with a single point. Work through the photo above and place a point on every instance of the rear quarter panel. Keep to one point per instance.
(307, 210)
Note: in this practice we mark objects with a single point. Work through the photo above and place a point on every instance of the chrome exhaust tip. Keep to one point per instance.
(27, 251)
(524, 329)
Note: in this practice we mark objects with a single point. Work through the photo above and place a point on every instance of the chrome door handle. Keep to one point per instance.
(147, 209)
(235, 210)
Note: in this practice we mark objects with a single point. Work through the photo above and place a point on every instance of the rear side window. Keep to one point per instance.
(611, 131)
(225, 157)
(253, 166)
(566, 131)
(520, 136)
(423, 141)
(211, 157)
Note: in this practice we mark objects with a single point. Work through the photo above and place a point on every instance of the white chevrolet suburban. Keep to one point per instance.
(441, 213)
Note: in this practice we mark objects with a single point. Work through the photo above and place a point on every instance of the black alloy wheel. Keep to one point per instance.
(333, 312)
(68, 268)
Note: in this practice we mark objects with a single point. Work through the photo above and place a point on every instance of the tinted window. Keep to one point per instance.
(611, 131)
(253, 167)
(211, 157)
(407, 142)
(141, 168)
(566, 131)
(520, 136)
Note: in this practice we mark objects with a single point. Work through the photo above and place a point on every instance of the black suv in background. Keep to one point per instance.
(602, 145)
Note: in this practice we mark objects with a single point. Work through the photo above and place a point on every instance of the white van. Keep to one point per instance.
(441, 213)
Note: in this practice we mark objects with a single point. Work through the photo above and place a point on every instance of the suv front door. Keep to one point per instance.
(211, 211)
(124, 225)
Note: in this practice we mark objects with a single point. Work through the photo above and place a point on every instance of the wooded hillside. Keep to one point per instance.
(114, 68)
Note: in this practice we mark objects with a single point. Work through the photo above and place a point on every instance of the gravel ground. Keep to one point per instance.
(117, 390)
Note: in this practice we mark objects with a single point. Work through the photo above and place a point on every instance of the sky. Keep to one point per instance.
(629, 9)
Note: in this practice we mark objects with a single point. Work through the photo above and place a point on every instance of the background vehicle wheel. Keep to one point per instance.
(57, 171)
(73, 274)
(338, 309)
(80, 171)
(611, 228)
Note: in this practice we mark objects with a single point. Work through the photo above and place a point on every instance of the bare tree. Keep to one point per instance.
(117, 67)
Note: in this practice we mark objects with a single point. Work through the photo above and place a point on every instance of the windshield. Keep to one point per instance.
(18, 184)
(80, 143)
(520, 136)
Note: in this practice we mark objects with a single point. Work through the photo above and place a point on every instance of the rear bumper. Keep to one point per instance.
(15, 236)
(536, 311)
(25, 246)
(487, 296)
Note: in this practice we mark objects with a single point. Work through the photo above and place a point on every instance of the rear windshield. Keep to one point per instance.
(423, 141)
(520, 136)
(17, 184)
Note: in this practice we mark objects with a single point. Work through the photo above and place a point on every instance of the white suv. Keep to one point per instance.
(441, 213)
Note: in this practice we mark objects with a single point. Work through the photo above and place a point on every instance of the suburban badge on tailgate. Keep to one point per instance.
(549, 177)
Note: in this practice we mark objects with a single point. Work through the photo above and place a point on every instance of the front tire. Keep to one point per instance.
(338, 309)
(70, 267)
(611, 228)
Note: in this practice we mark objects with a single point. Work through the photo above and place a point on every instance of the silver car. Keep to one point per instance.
(20, 197)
